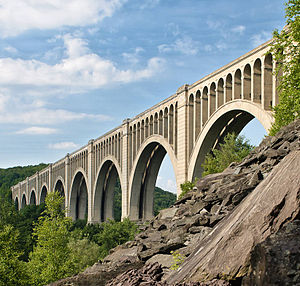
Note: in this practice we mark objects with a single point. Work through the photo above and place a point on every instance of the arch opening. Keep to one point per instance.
(231, 121)
(17, 203)
(268, 82)
(60, 188)
(257, 81)
(79, 198)
(43, 194)
(238, 84)
(108, 194)
(23, 202)
(32, 200)
(247, 82)
(144, 181)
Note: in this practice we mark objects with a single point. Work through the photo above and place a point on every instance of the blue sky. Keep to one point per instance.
(72, 70)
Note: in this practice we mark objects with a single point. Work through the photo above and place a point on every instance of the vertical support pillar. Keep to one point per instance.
(50, 178)
(182, 136)
(67, 184)
(262, 85)
(27, 191)
(37, 188)
(252, 88)
(90, 181)
(125, 169)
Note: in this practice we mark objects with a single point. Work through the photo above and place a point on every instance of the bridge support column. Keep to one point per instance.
(67, 184)
(182, 137)
(125, 170)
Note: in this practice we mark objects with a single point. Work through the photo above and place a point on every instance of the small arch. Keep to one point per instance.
(204, 103)
(171, 124)
(134, 141)
(191, 130)
(147, 128)
(247, 82)
(220, 92)
(268, 82)
(160, 123)
(138, 136)
(238, 84)
(228, 88)
(212, 97)
(151, 125)
(79, 196)
(23, 203)
(197, 113)
(32, 200)
(142, 131)
(43, 194)
(165, 123)
(257, 81)
(156, 123)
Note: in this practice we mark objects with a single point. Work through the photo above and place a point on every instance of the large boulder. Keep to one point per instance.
(225, 251)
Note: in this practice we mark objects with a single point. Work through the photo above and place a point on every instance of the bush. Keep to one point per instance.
(186, 187)
(115, 233)
(234, 149)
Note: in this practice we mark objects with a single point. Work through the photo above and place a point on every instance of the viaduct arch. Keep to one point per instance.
(185, 126)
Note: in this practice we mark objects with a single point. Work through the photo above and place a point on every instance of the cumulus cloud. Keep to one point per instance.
(260, 38)
(10, 49)
(184, 45)
(133, 58)
(81, 70)
(18, 16)
(63, 145)
(35, 130)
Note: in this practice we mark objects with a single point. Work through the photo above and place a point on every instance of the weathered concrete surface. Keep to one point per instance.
(226, 250)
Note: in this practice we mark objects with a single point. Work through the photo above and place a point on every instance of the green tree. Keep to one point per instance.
(115, 233)
(234, 149)
(186, 187)
(12, 270)
(286, 52)
(50, 259)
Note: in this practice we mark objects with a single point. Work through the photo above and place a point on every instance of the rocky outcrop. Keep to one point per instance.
(218, 207)
(276, 261)
(225, 252)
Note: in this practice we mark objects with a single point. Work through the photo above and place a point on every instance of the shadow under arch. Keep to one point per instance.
(59, 186)
(16, 203)
(23, 202)
(231, 117)
(43, 194)
(144, 174)
(32, 200)
(107, 177)
(79, 196)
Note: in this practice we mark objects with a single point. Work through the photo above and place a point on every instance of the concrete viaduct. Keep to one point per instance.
(186, 126)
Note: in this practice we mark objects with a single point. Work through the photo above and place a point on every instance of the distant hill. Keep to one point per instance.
(11, 176)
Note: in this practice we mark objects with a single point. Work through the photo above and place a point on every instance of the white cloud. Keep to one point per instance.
(18, 16)
(37, 131)
(44, 116)
(63, 145)
(10, 49)
(260, 38)
(133, 58)
(166, 184)
(80, 71)
(148, 4)
(239, 29)
(184, 45)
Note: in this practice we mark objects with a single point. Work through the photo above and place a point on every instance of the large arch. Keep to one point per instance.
(43, 194)
(17, 203)
(103, 196)
(23, 202)
(231, 117)
(60, 187)
(78, 202)
(32, 200)
(144, 174)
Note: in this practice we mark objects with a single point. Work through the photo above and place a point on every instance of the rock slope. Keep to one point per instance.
(186, 225)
